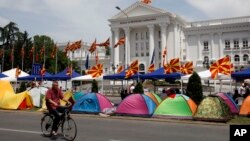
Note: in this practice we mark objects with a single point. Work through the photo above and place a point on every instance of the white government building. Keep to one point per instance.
(149, 29)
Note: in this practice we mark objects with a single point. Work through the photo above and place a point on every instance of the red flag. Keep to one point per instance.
(105, 44)
(223, 66)
(92, 47)
(96, 70)
(151, 68)
(187, 68)
(18, 72)
(146, 1)
(173, 66)
(119, 69)
(120, 42)
(53, 53)
(43, 71)
(42, 53)
(133, 69)
(31, 52)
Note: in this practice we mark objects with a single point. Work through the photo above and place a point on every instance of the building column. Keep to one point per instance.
(221, 46)
(212, 46)
(116, 50)
(199, 48)
(127, 46)
(151, 42)
(163, 27)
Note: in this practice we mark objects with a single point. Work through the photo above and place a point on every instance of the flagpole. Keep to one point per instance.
(56, 58)
(3, 60)
(22, 54)
(44, 52)
(12, 56)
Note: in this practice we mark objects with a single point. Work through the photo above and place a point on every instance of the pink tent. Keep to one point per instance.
(136, 105)
(230, 102)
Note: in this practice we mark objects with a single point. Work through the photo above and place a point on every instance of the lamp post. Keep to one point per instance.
(118, 8)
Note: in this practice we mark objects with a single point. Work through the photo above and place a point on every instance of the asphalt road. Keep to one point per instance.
(25, 126)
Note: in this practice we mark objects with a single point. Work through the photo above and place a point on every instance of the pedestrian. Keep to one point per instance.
(131, 88)
(53, 96)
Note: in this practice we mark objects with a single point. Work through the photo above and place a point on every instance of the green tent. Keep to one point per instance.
(213, 108)
(179, 106)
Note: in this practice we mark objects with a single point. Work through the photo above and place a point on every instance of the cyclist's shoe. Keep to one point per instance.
(54, 133)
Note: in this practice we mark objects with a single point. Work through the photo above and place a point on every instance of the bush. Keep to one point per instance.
(138, 88)
(194, 88)
(94, 88)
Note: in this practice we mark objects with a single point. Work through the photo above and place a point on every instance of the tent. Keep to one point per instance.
(119, 76)
(179, 107)
(241, 75)
(10, 100)
(154, 97)
(11, 75)
(136, 105)
(86, 78)
(206, 75)
(230, 102)
(160, 74)
(213, 108)
(36, 77)
(37, 94)
(63, 75)
(77, 95)
(2, 75)
(92, 103)
(245, 107)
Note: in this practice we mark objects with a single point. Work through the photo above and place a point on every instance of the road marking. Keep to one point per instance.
(115, 140)
(21, 131)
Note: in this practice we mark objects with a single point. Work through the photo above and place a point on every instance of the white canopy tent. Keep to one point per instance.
(36, 94)
(12, 75)
(87, 78)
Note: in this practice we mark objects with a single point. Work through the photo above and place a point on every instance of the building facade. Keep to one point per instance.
(148, 30)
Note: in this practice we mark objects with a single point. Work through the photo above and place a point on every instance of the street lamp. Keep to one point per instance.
(118, 8)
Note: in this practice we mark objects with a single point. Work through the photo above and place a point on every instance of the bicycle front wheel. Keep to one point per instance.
(46, 125)
(69, 129)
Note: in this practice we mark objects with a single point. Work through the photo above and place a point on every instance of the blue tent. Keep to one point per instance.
(121, 76)
(91, 103)
(2, 75)
(63, 75)
(160, 74)
(241, 75)
(36, 77)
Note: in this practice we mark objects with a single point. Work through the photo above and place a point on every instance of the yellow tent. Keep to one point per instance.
(10, 100)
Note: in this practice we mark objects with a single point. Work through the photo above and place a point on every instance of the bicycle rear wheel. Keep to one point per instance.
(69, 129)
(46, 125)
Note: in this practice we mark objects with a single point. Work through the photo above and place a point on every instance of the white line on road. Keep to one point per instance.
(22, 131)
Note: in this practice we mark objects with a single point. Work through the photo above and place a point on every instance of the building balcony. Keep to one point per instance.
(205, 50)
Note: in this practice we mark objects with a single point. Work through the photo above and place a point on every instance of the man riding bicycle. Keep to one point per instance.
(53, 96)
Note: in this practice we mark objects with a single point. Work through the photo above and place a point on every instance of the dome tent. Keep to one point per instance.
(154, 97)
(178, 107)
(230, 102)
(92, 103)
(136, 105)
(245, 107)
(213, 108)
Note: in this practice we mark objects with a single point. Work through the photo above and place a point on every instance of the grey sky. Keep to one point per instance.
(65, 20)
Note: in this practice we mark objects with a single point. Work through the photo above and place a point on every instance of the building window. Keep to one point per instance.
(245, 44)
(142, 46)
(147, 54)
(159, 34)
(206, 62)
(159, 45)
(136, 46)
(245, 58)
(147, 45)
(141, 67)
(136, 36)
(142, 35)
(147, 37)
(136, 55)
(227, 45)
(205, 45)
(142, 54)
(236, 44)
(236, 58)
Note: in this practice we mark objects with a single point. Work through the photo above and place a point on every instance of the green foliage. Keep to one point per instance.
(194, 88)
(94, 88)
(138, 88)
(108, 51)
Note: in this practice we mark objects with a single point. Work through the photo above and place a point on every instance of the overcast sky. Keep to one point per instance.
(65, 20)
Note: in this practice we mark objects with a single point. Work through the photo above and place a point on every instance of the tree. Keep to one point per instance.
(94, 88)
(194, 88)
(138, 88)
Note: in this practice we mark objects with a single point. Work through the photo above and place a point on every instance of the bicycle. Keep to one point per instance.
(68, 125)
